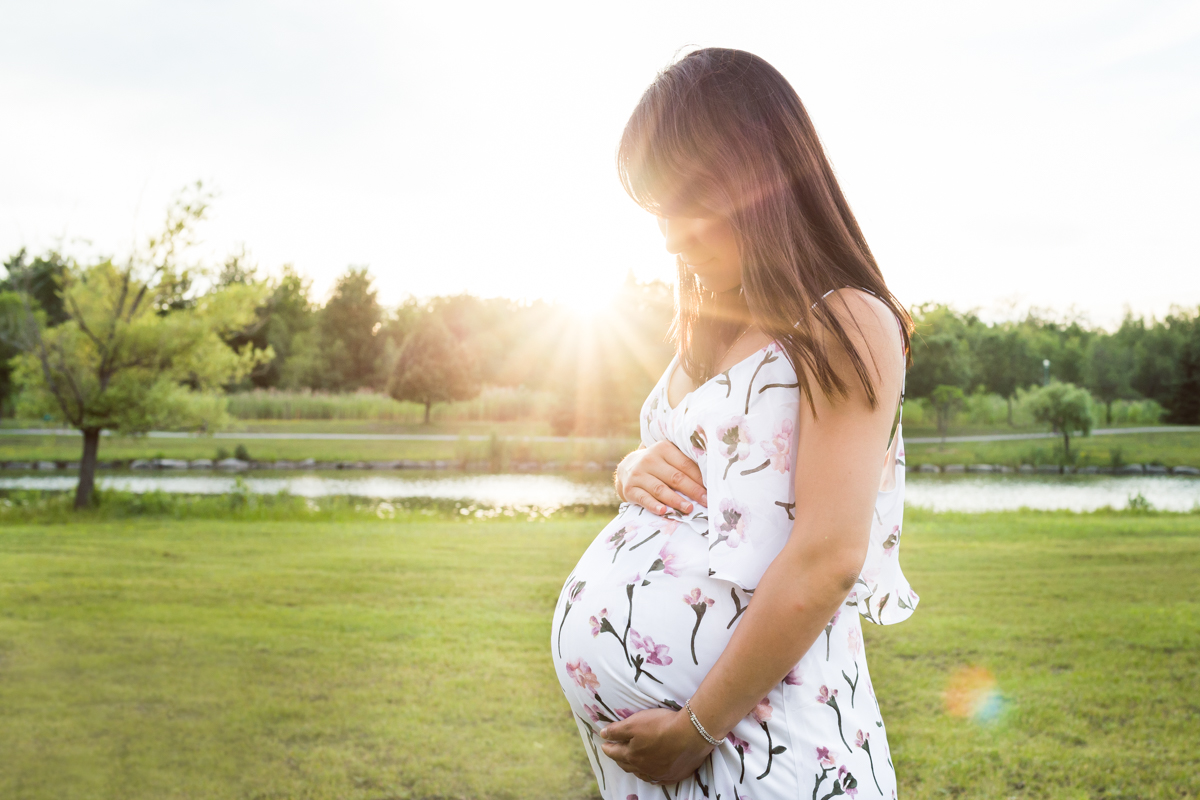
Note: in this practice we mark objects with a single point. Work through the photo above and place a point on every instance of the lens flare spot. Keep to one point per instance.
(972, 694)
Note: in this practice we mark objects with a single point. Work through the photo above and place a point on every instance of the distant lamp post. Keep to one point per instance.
(1045, 372)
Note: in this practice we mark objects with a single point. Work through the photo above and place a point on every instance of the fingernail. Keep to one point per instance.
(687, 508)
(604, 733)
(662, 509)
(704, 499)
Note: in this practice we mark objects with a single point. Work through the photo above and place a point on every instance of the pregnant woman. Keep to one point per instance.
(712, 647)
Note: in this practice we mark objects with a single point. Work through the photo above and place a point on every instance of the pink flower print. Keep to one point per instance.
(582, 675)
(700, 604)
(762, 711)
(854, 642)
(656, 654)
(732, 524)
(742, 747)
(624, 713)
(828, 697)
(698, 443)
(631, 797)
(634, 580)
(619, 538)
(847, 781)
(779, 448)
(794, 678)
(863, 742)
(736, 742)
(598, 623)
(733, 442)
(825, 758)
(889, 544)
(666, 562)
(668, 526)
(829, 630)
(595, 713)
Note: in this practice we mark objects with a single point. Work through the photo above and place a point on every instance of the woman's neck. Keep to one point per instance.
(729, 309)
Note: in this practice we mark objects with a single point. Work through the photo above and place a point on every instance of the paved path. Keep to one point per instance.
(1013, 437)
(338, 437)
(449, 437)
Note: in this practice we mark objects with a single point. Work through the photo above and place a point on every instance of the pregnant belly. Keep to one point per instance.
(640, 623)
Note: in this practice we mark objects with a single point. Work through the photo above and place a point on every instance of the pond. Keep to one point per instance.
(969, 493)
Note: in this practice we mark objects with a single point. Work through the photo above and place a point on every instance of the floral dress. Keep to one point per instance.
(655, 598)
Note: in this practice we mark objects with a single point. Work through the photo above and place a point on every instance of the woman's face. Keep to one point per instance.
(708, 245)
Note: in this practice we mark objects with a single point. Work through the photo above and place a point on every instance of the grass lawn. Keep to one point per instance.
(1169, 449)
(168, 659)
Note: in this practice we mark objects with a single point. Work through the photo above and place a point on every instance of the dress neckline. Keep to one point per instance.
(666, 386)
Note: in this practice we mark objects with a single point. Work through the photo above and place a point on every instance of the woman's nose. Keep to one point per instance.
(675, 235)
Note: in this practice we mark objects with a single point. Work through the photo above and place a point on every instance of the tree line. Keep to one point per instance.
(155, 340)
(1153, 359)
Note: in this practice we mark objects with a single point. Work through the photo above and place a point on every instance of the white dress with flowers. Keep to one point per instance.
(654, 600)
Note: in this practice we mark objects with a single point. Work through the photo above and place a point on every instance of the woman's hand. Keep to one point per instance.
(653, 476)
(657, 745)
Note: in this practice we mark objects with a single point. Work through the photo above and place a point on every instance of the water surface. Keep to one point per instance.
(970, 493)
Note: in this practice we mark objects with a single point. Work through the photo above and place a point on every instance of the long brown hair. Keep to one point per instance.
(724, 131)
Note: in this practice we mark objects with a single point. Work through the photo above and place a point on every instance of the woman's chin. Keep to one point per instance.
(718, 286)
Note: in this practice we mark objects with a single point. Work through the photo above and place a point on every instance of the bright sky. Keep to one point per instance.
(1033, 153)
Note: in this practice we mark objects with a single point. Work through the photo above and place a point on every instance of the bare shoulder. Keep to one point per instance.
(873, 332)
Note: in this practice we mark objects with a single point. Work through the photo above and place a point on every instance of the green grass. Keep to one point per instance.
(192, 658)
(1169, 449)
(69, 445)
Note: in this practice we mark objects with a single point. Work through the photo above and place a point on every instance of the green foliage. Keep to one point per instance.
(1156, 360)
(433, 366)
(1066, 407)
(946, 400)
(941, 350)
(136, 349)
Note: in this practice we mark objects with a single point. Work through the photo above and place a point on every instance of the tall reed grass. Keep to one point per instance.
(495, 404)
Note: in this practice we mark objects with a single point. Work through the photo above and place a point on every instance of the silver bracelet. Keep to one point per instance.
(700, 728)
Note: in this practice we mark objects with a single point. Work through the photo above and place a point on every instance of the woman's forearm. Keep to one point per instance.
(799, 593)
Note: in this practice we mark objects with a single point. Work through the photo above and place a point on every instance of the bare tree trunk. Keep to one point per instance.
(427, 406)
(1108, 412)
(1066, 446)
(87, 468)
(1010, 419)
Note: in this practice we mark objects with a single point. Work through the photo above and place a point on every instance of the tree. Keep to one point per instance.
(947, 400)
(433, 366)
(279, 322)
(1005, 362)
(1183, 403)
(349, 326)
(1066, 407)
(41, 279)
(941, 352)
(1108, 370)
(134, 352)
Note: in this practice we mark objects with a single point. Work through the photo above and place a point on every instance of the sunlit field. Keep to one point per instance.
(1053, 656)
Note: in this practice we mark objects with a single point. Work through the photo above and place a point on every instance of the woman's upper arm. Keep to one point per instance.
(842, 440)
